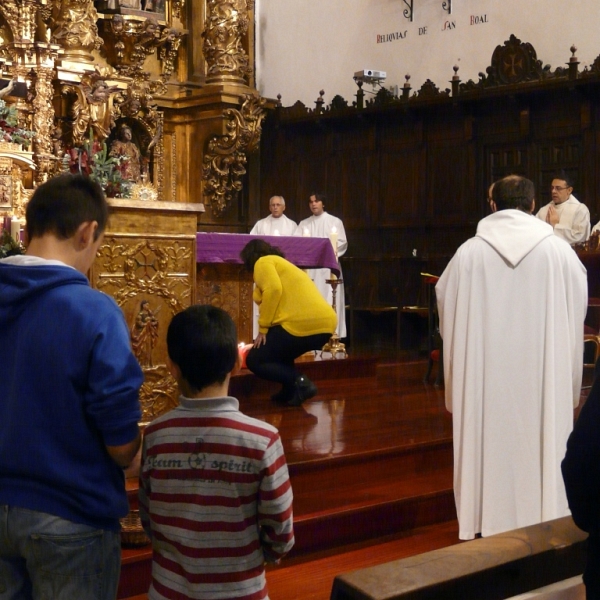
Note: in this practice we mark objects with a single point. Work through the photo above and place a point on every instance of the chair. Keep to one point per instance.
(591, 353)
(362, 293)
(421, 308)
(434, 340)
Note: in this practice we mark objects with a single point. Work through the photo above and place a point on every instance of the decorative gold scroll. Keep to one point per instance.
(225, 156)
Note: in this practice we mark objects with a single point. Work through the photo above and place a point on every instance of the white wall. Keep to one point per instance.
(303, 46)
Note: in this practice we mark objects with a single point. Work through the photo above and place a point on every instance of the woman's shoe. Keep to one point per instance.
(304, 390)
(283, 396)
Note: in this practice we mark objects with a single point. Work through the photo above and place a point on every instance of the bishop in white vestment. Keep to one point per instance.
(322, 224)
(511, 304)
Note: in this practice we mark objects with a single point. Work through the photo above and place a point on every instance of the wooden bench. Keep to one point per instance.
(492, 568)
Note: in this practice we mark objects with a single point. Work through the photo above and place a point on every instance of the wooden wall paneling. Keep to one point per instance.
(593, 155)
(359, 190)
(356, 155)
(402, 191)
(589, 185)
(501, 160)
(449, 188)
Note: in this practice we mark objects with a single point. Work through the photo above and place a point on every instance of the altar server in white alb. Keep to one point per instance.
(511, 303)
(569, 217)
(322, 224)
(276, 223)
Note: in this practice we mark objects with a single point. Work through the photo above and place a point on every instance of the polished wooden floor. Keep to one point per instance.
(370, 460)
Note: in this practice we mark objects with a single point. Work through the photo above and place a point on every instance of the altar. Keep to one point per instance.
(222, 280)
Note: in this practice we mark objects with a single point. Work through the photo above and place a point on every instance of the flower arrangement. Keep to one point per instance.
(8, 245)
(93, 160)
(9, 127)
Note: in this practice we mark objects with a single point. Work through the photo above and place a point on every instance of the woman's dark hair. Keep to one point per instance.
(256, 249)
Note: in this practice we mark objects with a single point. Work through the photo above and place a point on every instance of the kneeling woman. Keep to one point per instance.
(293, 319)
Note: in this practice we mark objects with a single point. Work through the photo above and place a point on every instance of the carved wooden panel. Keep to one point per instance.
(151, 277)
(230, 288)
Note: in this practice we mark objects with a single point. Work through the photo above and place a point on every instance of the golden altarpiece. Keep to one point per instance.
(156, 99)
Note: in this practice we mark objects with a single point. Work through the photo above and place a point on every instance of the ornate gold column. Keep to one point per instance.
(236, 131)
(43, 110)
(33, 63)
(227, 22)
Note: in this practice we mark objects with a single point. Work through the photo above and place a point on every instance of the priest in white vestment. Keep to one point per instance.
(511, 304)
(322, 224)
(569, 217)
(275, 224)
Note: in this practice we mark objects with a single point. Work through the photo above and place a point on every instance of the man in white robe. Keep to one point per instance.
(569, 217)
(276, 223)
(511, 304)
(322, 224)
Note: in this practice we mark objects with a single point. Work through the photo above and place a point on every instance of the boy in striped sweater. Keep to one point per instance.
(215, 495)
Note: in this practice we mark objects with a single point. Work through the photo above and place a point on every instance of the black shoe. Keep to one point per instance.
(283, 396)
(305, 389)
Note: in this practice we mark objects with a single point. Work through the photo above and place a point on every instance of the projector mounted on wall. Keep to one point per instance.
(370, 76)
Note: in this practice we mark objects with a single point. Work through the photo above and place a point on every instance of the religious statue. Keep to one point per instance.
(131, 166)
(93, 108)
(144, 334)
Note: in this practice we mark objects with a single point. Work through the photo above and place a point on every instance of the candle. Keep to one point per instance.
(306, 232)
(333, 238)
(15, 229)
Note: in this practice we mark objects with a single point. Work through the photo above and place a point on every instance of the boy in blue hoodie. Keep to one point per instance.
(69, 405)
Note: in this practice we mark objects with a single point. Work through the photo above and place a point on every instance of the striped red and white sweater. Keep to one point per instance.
(216, 500)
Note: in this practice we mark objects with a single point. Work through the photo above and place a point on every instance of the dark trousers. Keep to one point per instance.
(274, 360)
(591, 574)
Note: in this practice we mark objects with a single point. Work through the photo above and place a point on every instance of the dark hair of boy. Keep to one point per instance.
(256, 249)
(61, 204)
(202, 342)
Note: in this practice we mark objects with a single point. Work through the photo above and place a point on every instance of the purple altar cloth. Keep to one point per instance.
(304, 252)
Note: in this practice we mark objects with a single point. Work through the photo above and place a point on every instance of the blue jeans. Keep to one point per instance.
(46, 557)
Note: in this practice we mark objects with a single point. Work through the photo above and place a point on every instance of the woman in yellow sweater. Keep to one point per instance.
(293, 319)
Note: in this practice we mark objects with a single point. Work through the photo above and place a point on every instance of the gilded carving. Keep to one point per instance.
(75, 29)
(168, 49)
(225, 156)
(151, 280)
(93, 107)
(43, 120)
(226, 23)
(131, 40)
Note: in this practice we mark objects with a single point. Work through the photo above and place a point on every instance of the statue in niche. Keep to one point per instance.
(132, 166)
(144, 334)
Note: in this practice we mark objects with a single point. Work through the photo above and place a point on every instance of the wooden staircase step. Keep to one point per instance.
(362, 497)
(245, 383)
